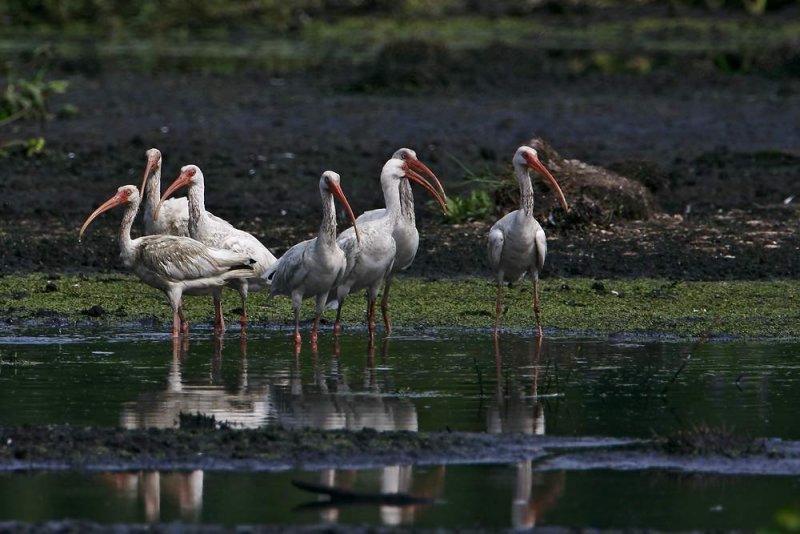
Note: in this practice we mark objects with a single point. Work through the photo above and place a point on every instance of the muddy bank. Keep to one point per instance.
(274, 449)
(719, 154)
(96, 448)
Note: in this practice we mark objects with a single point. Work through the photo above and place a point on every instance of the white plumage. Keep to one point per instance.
(219, 233)
(517, 244)
(370, 262)
(174, 264)
(313, 267)
(405, 232)
(173, 215)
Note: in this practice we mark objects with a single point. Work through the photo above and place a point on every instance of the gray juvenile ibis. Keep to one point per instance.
(219, 233)
(517, 244)
(405, 232)
(312, 268)
(370, 262)
(174, 264)
(173, 216)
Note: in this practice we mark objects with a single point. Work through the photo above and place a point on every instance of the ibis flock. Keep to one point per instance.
(187, 250)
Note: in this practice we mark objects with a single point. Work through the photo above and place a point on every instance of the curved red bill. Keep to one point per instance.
(183, 179)
(535, 164)
(337, 191)
(416, 178)
(152, 161)
(121, 197)
(419, 167)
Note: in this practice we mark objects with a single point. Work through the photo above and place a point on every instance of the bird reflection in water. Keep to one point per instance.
(518, 408)
(244, 405)
(418, 487)
(146, 488)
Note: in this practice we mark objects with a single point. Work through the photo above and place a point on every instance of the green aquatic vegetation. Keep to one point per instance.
(29, 99)
(569, 306)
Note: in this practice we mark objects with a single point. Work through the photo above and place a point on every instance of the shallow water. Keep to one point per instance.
(427, 381)
(519, 496)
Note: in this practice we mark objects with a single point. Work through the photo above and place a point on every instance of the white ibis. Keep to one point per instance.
(219, 233)
(174, 264)
(312, 268)
(517, 244)
(370, 262)
(405, 232)
(173, 216)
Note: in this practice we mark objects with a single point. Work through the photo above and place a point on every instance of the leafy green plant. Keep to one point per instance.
(477, 205)
(28, 99)
(481, 200)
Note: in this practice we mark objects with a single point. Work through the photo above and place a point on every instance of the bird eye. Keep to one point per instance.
(191, 172)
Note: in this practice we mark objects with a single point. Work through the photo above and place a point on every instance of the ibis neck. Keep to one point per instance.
(391, 196)
(525, 190)
(153, 193)
(406, 201)
(197, 206)
(125, 241)
(327, 229)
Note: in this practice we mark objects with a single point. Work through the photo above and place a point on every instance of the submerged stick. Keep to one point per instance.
(339, 495)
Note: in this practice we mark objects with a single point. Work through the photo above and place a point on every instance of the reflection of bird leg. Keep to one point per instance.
(535, 365)
(219, 322)
(385, 354)
(218, 344)
(180, 346)
(371, 355)
(216, 360)
(536, 309)
(243, 347)
(498, 308)
(151, 489)
(176, 347)
(498, 358)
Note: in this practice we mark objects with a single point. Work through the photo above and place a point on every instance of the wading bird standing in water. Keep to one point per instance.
(370, 262)
(176, 265)
(517, 244)
(219, 233)
(405, 232)
(312, 268)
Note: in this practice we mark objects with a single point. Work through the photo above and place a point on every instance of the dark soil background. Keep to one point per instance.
(718, 153)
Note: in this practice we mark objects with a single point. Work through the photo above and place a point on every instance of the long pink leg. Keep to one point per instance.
(315, 330)
(184, 322)
(176, 324)
(371, 316)
(337, 325)
(385, 305)
(297, 338)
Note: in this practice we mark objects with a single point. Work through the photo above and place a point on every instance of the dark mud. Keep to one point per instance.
(719, 152)
(268, 449)
(274, 449)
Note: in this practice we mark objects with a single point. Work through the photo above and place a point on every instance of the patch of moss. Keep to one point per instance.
(569, 306)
